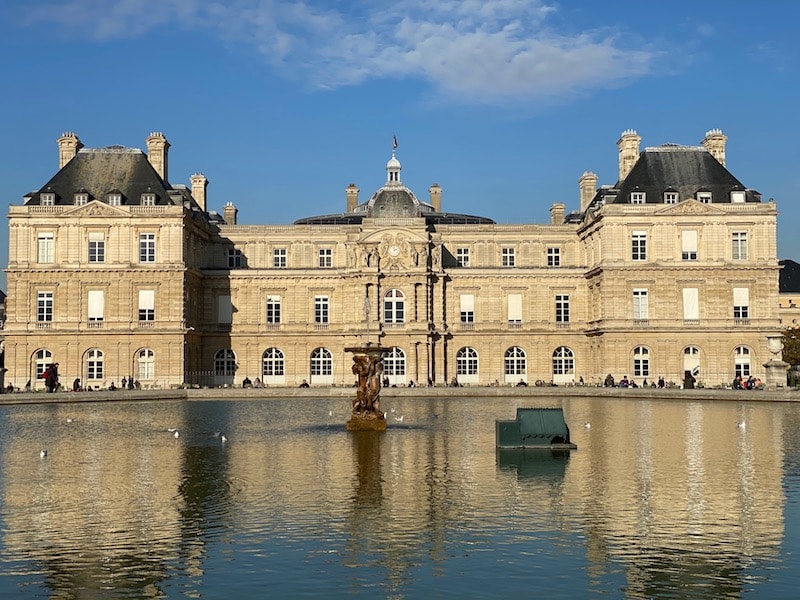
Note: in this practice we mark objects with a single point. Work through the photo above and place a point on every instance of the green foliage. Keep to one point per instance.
(791, 346)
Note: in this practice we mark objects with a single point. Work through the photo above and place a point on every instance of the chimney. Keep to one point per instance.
(157, 148)
(229, 213)
(557, 214)
(199, 185)
(351, 193)
(628, 145)
(588, 187)
(435, 192)
(714, 142)
(68, 146)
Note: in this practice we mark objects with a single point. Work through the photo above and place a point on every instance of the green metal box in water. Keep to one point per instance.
(535, 428)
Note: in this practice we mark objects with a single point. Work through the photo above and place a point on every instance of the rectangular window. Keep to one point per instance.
(279, 258)
(462, 257)
(741, 303)
(44, 307)
(321, 309)
(48, 199)
(234, 258)
(467, 308)
(639, 245)
(515, 310)
(97, 247)
(147, 305)
(691, 304)
(273, 310)
(689, 244)
(114, 199)
(554, 257)
(739, 245)
(148, 199)
(147, 247)
(325, 258)
(562, 308)
(670, 197)
(641, 308)
(637, 197)
(224, 310)
(737, 197)
(704, 197)
(508, 257)
(96, 305)
(45, 247)
(81, 198)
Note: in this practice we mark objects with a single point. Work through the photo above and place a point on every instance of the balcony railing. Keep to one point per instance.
(44, 325)
(741, 321)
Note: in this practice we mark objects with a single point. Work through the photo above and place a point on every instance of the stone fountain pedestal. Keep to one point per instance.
(775, 368)
(368, 367)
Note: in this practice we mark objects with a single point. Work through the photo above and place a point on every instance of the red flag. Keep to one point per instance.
(394, 142)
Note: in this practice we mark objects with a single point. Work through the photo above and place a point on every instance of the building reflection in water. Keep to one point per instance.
(659, 496)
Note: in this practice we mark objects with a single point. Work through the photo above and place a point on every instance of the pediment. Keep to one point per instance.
(689, 207)
(96, 209)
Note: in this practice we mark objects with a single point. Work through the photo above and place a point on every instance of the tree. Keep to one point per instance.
(791, 346)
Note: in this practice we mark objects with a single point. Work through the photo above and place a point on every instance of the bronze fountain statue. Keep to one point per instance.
(368, 367)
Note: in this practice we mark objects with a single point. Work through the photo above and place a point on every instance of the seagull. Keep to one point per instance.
(330, 413)
(42, 453)
(741, 425)
(400, 418)
(177, 434)
(587, 425)
(70, 420)
(172, 430)
(223, 438)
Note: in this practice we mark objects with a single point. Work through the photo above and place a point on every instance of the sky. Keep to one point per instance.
(503, 103)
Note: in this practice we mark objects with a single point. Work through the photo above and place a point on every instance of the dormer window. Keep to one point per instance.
(114, 198)
(148, 199)
(704, 196)
(81, 198)
(737, 196)
(638, 197)
(670, 197)
(48, 199)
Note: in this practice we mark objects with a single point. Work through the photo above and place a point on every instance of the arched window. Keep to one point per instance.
(272, 366)
(224, 367)
(42, 360)
(467, 365)
(321, 366)
(394, 366)
(94, 365)
(146, 364)
(691, 360)
(641, 362)
(394, 307)
(515, 365)
(741, 361)
(563, 365)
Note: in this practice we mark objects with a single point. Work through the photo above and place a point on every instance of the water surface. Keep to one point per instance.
(662, 499)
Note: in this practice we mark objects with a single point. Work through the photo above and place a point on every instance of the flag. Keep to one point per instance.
(394, 142)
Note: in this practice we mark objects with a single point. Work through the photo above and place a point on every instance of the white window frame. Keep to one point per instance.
(96, 252)
(562, 309)
(95, 306)
(462, 257)
(689, 244)
(670, 197)
(45, 247)
(554, 257)
(273, 310)
(147, 305)
(325, 258)
(638, 197)
(508, 257)
(739, 250)
(466, 308)
(741, 303)
(641, 305)
(44, 307)
(322, 310)
(147, 247)
(279, 258)
(394, 307)
(639, 246)
(704, 197)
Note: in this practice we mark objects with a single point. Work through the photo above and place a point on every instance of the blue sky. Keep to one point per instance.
(505, 103)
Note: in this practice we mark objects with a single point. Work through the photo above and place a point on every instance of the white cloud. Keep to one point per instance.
(487, 51)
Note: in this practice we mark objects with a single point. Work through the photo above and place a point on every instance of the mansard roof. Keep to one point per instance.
(789, 278)
(103, 171)
(682, 169)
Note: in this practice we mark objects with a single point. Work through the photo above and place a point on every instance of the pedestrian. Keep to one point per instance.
(76, 385)
(124, 382)
(51, 378)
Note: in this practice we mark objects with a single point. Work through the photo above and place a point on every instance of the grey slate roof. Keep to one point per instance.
(100, 171)
(789, 278)
(684, 169)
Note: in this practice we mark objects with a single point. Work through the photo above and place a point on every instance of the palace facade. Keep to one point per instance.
(115, 272)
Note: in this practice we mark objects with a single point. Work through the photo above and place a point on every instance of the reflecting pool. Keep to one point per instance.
(662, 499)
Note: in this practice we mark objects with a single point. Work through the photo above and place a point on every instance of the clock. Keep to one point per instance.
(394, 251)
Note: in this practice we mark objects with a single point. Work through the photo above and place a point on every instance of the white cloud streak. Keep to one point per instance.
(472, 51)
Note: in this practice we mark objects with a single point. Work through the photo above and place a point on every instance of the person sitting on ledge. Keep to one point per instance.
(623, 383)
(609, 381)
(411, 383)
(304, 384)
(522, 383)
(246, 383)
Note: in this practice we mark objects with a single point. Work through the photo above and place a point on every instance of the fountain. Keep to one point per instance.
(368, 367)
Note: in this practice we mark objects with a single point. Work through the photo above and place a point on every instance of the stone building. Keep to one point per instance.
(115, 272)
